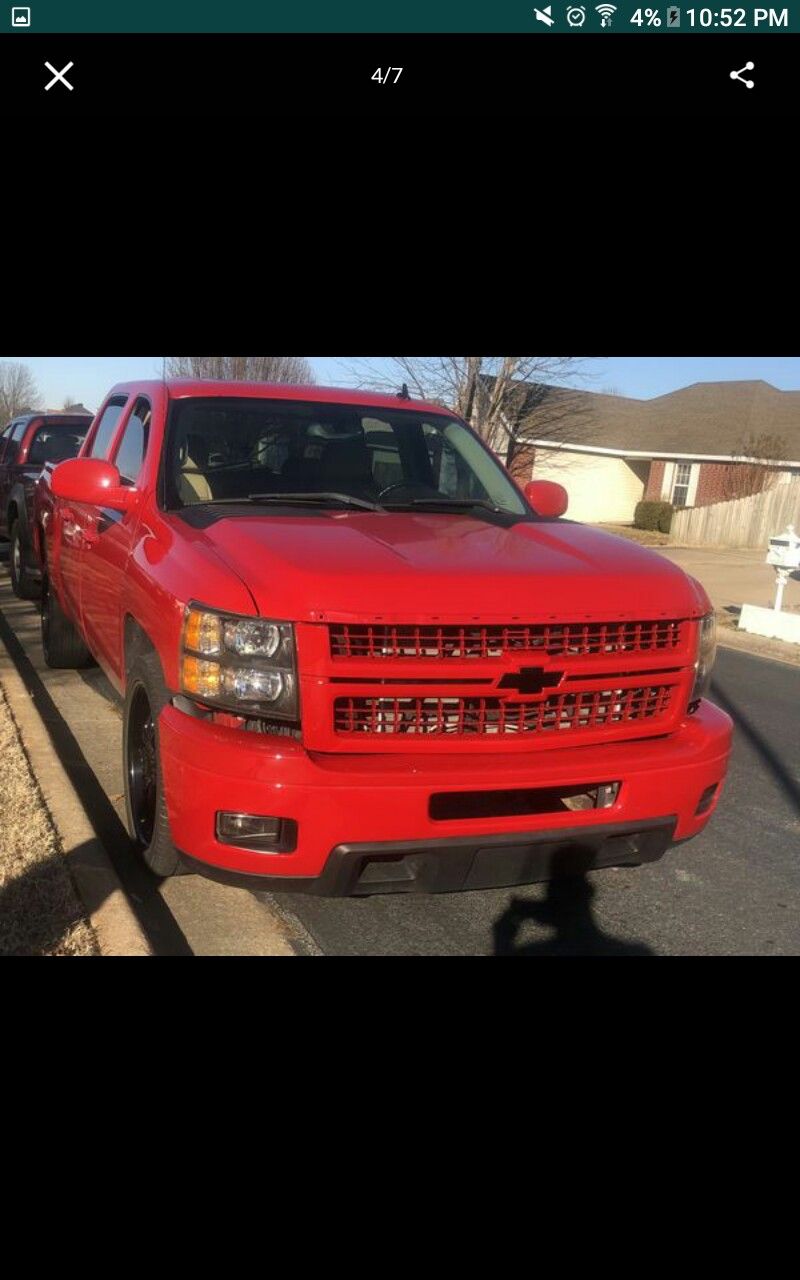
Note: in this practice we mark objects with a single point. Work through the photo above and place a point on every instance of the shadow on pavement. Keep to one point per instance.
(95, 679)
(567, 909)
(771, 759)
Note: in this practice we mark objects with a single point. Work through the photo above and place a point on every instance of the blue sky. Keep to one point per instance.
(88, 378)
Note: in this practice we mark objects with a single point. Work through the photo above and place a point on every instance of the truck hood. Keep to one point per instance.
(340, 566)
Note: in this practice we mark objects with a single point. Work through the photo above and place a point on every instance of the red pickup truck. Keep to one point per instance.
(27, 444)
(357, 658)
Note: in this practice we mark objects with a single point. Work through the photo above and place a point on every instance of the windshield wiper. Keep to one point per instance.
(301, 499)
(448, 502)
(343, 499)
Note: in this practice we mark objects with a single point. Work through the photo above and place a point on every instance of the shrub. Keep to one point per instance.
(656, 516)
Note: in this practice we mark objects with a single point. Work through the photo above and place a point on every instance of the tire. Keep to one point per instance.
(23, 585)
(62, 644)
(145, 803)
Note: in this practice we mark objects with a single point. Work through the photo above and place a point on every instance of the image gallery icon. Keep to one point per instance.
(20, 17)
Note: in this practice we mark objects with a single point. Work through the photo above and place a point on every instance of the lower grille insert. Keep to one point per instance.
(466, 717)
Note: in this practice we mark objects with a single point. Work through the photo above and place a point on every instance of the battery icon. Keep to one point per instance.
(673, 16)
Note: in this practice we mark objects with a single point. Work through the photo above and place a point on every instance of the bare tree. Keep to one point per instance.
(241, 368)
(753, 474)
(509, 400)
(18, 390)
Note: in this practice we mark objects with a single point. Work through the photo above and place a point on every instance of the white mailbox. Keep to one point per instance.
(783, 551)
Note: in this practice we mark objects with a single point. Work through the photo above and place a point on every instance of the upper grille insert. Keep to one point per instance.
(371, 640)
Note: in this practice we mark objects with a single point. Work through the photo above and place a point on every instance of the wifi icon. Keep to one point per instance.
(606, 12)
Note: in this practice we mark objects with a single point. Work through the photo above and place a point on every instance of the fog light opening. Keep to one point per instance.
(706, 799)
(263, 833)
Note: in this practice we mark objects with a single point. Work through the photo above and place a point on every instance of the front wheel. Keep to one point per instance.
(22, 583)
(145, 803)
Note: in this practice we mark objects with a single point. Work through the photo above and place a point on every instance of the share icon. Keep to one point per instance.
(737, 75)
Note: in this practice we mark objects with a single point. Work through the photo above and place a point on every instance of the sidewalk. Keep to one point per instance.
(733, 577)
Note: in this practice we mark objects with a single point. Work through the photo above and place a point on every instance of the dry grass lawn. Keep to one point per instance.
(648, 537)
(40, 912)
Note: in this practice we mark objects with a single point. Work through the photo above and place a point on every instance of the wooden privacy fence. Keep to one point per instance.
(743, 522)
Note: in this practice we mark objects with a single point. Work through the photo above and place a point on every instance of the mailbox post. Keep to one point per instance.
(783, 553)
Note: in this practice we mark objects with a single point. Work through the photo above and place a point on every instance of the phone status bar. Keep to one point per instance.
(392, 16)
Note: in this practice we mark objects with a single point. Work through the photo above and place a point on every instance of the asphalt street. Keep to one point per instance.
(735, 890)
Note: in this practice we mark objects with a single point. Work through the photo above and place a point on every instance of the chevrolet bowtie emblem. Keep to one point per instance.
(531, 680)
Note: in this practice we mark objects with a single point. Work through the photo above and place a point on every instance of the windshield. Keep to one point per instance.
(228, 449)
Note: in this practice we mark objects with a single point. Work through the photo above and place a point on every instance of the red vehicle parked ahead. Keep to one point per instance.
(356, 658)
(26, 445)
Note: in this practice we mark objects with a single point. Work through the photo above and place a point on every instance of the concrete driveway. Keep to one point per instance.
(733, 576)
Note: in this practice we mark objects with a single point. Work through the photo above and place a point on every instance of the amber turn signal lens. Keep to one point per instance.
(203, 632)
(203, 679)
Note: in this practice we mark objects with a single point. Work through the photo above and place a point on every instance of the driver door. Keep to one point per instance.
(108, 545)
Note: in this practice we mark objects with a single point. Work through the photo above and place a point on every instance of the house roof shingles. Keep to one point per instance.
(704, 418)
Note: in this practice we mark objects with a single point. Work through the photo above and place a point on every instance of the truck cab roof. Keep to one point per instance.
(53, 416)
(188, 388)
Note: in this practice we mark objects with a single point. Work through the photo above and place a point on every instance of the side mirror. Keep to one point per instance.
(546, 497)
(93, 481)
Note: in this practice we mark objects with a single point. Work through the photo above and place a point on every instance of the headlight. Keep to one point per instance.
(241, 664)
(706, 653)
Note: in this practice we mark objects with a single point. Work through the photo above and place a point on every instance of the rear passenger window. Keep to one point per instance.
(133, 445)
(107, 426)
(55, 444)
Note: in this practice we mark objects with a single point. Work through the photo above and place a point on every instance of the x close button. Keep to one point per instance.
(59, 76)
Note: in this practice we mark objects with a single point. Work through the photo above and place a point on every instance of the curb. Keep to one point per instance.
(758, 646)
(118, 931)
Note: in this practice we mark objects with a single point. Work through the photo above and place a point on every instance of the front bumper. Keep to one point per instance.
(448, 866)
(352, 808)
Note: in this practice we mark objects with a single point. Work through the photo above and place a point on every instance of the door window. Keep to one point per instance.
(106, 427)
(16, 430)
(55, 444)
(133, 445)
(3, 439)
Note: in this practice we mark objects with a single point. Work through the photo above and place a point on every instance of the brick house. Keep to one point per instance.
(678, 447)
